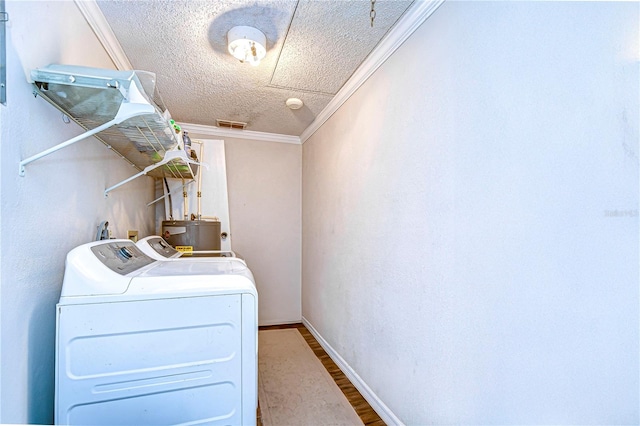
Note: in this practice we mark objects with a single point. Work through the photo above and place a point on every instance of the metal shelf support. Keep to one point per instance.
(127, 110)
(170, 193)
(176, 155)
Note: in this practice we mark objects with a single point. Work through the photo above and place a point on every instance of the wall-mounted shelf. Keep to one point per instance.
(173, 161)
(118, 108)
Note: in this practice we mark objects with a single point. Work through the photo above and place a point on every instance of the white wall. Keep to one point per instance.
(470, 218)
(264, 184)
(52, 209)
(264, 209)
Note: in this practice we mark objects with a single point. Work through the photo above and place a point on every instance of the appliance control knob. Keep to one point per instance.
(125, 253)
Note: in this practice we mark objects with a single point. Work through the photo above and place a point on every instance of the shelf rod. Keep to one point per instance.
(126, 111)
(169, 193)
(71, 141)
(168, 157)
(137, 175)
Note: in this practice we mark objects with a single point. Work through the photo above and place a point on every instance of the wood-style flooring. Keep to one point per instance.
(359, 404)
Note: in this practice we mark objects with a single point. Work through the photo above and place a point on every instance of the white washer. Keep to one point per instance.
(141, 341)
(157, 248)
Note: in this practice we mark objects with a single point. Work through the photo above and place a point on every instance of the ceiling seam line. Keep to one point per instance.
(275, 86)
(293, 15)
(379, 41)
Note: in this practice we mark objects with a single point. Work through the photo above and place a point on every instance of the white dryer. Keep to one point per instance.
(157, 248)
(142, 342)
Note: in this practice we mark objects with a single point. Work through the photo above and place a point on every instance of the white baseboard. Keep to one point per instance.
(277, 322)
(379, 407)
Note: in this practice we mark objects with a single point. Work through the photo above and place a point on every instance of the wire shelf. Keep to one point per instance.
(94, 97)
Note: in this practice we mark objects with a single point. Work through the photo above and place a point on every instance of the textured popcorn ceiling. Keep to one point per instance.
(313, 47)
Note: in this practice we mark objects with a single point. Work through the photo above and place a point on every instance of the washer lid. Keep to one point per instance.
(157, 248)
(168, 268)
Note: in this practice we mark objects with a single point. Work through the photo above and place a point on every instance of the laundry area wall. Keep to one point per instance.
(57, 205)
(264, 182)
(470, 219)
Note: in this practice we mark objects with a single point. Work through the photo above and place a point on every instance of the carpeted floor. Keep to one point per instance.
(294, 388)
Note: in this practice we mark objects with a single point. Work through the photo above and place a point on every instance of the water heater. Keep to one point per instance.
(192, 235)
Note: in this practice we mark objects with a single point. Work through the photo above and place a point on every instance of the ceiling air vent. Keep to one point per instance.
(228, 124)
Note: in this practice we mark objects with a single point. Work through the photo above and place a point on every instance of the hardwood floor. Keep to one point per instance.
(368, 416)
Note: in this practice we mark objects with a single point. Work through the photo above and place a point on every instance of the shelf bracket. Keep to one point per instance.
(71, 141)
(169, 156)
(126, 111)
(170, 193)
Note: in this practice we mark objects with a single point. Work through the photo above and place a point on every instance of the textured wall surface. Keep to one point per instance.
(264, 184)
(470, 218)
(56, 206)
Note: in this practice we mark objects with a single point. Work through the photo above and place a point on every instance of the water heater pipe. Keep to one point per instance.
(186, 201)
(200, 183)
(168, 193)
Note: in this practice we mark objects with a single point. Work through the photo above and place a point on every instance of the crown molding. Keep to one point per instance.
(202, 130)
(419, 11)
(98, 23)
(408, 23)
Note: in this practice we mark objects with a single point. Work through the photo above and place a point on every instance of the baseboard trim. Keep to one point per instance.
(376, 403)
(277, 322)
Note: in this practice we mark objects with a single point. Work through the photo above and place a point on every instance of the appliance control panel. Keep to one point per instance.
(163, 248)
(121, 257)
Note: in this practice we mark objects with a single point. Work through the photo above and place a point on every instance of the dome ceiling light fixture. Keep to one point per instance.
(247, 44)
